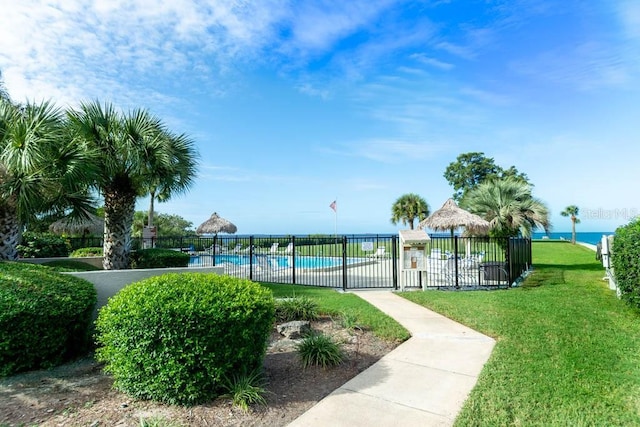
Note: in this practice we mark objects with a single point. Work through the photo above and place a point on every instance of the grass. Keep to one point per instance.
(334, 303)
(319, 350)
(70, 265)
(567, 351)
(245, 390)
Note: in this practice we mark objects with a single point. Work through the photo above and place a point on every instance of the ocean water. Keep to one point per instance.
(592, 237)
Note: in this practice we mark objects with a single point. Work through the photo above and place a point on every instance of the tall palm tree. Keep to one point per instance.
(133, 150)
(165, 184)
(572, 211)
(509, 207)
(42, 170)
(407, 208)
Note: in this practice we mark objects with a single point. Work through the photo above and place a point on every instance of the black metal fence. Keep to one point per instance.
(358, 261)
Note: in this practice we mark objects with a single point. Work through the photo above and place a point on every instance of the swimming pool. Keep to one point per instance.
(272, 261)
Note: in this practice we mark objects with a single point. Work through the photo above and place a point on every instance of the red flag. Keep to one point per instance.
(334, 206)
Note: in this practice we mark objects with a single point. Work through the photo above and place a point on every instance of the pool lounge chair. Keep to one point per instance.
(289, 249)
(380, 253)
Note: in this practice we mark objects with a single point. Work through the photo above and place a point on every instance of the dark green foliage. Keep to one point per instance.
(319, 350)
(175, 338)
(43, 245)
(626, 261)
(86, 252)
(45, 317)
(296, 308)
(158, 258)
(70, 265)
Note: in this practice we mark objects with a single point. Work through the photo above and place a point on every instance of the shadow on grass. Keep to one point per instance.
(569, 267)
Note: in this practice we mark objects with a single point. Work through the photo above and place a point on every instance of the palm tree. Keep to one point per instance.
(41, 169)
(572, 211)
(164, 184)
(509, 207)
(133, 155)
(408, 208)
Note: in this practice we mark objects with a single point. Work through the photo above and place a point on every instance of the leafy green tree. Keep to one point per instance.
(471, 169)
(408, 208)
(572, 211)
(133, 154)
(167, 225)
(42, 170)
(509, 206)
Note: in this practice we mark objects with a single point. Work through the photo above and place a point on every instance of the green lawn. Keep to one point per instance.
(567, 352)
(335, 303)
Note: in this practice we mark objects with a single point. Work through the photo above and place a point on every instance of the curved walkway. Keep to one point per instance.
(423, 382)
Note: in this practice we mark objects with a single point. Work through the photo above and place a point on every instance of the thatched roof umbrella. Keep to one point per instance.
(215, 225)
(92, 224)
(450, 216)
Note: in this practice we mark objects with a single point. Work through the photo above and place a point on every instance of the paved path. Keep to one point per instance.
(423, 382)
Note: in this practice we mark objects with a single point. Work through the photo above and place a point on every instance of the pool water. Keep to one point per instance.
(274, 261)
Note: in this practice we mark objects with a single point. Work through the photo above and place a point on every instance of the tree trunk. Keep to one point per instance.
(119, 207)
(9, 232)
(152, 195)
(573, 230)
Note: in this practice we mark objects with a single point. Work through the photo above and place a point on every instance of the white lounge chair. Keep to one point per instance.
(380, 253)
(289, 249)
(274, 248)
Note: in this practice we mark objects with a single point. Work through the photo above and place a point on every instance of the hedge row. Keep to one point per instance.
(45, 317)
(625, 259)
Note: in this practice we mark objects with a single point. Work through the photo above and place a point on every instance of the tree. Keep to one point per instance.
(133, 154)
(408, 208)
(509, 206)
(472, 169)
(42, 170)
(572, 211)
(167, 225)
(164, 185)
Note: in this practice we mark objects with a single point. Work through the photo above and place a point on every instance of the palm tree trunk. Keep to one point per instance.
(119, 208)
(573, 230)
(9, 232)
(152, 195)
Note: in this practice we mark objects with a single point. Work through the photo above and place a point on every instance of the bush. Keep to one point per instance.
(175, 338)
(43, 245)
(45, 317)
(86, 252)
(296, 308)
(625, 258)
(319, 350)
(158, 258)
(70, 265)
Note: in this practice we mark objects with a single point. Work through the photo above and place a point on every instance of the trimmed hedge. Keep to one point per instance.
(43, 245)
(176, 338)
(86, 252)
(45, 317)
(625, 258)
(158, 258)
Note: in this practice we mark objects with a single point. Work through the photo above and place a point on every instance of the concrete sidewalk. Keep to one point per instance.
(423, 382)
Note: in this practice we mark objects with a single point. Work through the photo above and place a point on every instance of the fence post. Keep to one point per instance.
(293, 259)
(456, 258)
(344, 263)
(394, 258)
(251, 258)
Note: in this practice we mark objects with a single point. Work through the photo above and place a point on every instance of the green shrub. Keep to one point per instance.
(45, 317)
(70, 265)
(625, 260)
(158, 258)
(296, 308)
(43, 245)
(246, 389)
(86, 252)
(319, 350)
(175, 338)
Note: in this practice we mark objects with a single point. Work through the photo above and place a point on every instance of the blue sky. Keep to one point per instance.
(294, 104)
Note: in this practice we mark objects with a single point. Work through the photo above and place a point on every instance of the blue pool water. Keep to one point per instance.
(275, 261)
